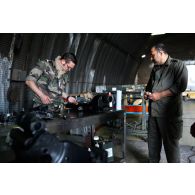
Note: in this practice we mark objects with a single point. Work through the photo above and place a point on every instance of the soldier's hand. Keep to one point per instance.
(46, 99)
(72, 100)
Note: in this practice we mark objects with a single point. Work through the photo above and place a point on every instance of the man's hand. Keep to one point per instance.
(72, 100)
(46, 99)
(155, 96)
(146, 95)
(158, 95)
(152, 96)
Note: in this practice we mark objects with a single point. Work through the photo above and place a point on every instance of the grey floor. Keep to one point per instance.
(137, 149)
(188, 119)
(137, 152)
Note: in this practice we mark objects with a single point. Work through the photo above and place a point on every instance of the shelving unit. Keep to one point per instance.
(136, 107)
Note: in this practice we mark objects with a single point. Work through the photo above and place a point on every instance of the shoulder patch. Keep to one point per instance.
(43, 64)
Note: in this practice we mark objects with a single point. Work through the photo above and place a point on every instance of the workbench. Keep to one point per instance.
(80, 119)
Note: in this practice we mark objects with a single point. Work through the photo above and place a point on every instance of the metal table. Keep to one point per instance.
(80, 119)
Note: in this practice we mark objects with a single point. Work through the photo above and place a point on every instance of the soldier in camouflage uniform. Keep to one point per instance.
(48, 80)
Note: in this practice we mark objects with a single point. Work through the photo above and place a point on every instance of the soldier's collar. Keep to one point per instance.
(57, 61)
(168, 61)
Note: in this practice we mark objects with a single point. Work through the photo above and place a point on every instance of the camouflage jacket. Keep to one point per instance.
(45, 75)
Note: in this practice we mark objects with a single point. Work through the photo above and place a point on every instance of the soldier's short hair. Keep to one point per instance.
(69, 57)
(161, 47)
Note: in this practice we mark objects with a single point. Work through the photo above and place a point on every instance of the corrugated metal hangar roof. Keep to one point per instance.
(103, 58)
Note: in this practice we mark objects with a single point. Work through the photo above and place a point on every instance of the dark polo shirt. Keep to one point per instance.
(172, 75)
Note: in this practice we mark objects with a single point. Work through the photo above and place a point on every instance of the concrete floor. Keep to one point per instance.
(137, 149)
(188, 119)
(137, 152)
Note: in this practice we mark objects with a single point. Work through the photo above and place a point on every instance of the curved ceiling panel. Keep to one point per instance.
(110, 59)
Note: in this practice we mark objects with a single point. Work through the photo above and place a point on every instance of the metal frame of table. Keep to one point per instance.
(76, 120)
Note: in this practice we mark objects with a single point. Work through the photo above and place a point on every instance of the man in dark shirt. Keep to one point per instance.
(167, 81)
